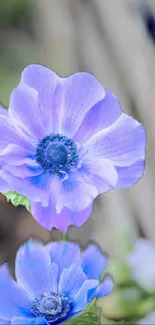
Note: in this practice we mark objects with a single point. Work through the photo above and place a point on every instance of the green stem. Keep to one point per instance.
(63, 237)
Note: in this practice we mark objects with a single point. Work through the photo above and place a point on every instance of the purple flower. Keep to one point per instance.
(54, 283)
(64, 142)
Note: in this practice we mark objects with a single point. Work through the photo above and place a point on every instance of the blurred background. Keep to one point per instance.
(115, 41)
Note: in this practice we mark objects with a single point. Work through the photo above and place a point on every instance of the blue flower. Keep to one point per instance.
(54, 283)
(67, 141)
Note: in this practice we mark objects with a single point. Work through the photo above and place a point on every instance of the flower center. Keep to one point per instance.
(57, 154)
(51, 306)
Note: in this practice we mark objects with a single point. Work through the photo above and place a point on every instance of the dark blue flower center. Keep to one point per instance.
(57, 154)
(52, 307)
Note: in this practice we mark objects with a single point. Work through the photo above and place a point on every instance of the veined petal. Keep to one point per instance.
(100, 116)
(35, 188)
(14, 300)
(24, 110)
(64, 254)
(81, 91)
(12, 134)
(48, 218)
(84, 295)
(71, 281)
(129, 175)
(123, 143)
(105, 288)
(32, 263)
(93, 262)
(100, 173)
(47, 84)
(17, 155)
(75, 187)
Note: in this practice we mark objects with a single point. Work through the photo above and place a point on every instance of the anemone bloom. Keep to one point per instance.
(65, 141)
(54, 283)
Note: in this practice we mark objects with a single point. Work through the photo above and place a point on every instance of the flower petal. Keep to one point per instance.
(71, 281)
(4, 322)
(105, 288)
(81, 92)
(128, 176)
(47, 83)
(100, 116)
(100, 173)
(91, 257)
(3, 111)
(14, 154)
(12, 134)
(24, 110)
(123, 143)
(63, 254)
(14, 300)
(28, 321)
(31, 269)
(48, 218)
(75, 187)
(53, 277)
(84, 295)
(35, 188)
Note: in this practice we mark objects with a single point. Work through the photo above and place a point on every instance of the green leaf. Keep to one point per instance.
(91, 315)
(17, 199)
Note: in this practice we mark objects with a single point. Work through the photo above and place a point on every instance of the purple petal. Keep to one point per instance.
(48, 218)
(4, 322)
(100, 116)
(24, 110)
(12, 134)
(14, 300)
(35, 188)
(100, 173)
(123, 143)
(64, 254)
(75, 187)
(105, 288)
(47, 83)
(3, 111)
(128, 176)
(71, 281)
(91, 257)
(81, 92)
(14, 154)
(32, 263)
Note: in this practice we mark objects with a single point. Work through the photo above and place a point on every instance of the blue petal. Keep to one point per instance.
(105, 288)
(64, 254)
(32, 263)
(93, 262)
(72, 280)
(84, 295)
(28, 321)
(14, 300)
(53, 277)
(4, 322)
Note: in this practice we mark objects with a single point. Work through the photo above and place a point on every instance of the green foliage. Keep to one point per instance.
(91, 315)
(17, 199)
